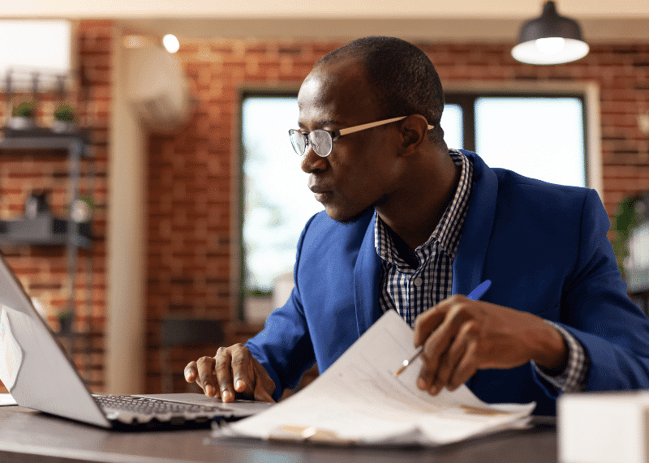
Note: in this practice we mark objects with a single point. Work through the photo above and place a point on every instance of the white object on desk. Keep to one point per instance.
(11, 355)
(359, 400)
(603, 427)
(7, 399)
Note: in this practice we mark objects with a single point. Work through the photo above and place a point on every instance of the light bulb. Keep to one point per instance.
(171, 43)
(550, 45)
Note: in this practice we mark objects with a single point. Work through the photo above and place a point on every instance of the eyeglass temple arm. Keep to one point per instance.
(369, 125)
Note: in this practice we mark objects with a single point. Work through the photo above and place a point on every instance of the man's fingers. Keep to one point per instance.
(232, 371)
(264, 386)
(224, 374)
(191, 372)
(426, 377)
(455, 354)
(447, 365)
(427, 322)
(440, 341)
(205, 376)
(261, 393)
(445, 346)
(243, 372)
(465, 368)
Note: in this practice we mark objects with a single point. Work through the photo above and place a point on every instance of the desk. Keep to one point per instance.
(29, 436)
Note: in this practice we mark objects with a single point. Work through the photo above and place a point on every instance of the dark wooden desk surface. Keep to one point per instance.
(29, 436)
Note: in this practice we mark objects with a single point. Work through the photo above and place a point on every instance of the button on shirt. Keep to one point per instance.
(414, 281)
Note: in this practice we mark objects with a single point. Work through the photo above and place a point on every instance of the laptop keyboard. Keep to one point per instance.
(150, 406)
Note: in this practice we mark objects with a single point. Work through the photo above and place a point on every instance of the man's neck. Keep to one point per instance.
(414, 212)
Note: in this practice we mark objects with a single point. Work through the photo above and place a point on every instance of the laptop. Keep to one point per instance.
(39, 375)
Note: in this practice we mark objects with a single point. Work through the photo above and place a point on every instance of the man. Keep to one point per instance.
(411, 226)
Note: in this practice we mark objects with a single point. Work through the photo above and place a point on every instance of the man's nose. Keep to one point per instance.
(311, 162)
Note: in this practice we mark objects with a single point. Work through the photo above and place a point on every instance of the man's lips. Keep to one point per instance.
(320, 192)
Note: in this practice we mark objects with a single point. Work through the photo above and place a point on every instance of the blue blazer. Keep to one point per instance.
(544, 247)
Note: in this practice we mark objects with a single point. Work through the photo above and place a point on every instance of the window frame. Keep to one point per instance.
(238, 288)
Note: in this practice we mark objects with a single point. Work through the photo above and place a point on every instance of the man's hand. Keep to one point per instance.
(460, 336)
(231, 369)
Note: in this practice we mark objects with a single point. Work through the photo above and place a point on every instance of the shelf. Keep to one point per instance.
(44, 230)
(43, 139)
(47, 230)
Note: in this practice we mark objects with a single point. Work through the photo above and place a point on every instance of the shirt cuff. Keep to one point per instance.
(573, 378)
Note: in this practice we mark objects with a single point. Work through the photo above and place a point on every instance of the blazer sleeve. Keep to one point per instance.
(284, 346)
(596, 310)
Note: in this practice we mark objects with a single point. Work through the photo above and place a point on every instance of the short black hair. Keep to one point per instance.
(401, 77)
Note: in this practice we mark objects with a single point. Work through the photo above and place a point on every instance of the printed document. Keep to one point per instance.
(11, 355)
(358, 400)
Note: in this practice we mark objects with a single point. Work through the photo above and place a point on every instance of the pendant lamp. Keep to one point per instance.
(550, 39)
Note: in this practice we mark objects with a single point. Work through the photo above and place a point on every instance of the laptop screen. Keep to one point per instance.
(36, 371)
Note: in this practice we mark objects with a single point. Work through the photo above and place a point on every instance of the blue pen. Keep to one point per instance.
(474, 296)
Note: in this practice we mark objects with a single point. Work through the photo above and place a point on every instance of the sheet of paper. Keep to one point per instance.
(7, 399)
(358, 399)
(11, 355)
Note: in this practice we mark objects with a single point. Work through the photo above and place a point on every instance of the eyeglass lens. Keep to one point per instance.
(299, 141)
(320, 140)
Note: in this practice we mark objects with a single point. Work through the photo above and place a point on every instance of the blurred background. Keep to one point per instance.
(148, 188)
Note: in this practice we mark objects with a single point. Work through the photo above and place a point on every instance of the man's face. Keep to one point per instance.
(359, 173)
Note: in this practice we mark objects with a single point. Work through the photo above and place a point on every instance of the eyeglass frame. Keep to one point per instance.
(335, 134)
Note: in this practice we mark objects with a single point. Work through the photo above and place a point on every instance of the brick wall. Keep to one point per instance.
(43, 269)
(190, 235)
(190, 174)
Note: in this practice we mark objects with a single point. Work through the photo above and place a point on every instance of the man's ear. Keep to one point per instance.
(413, 131)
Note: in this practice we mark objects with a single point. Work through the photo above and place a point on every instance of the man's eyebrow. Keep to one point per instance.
(321, 123)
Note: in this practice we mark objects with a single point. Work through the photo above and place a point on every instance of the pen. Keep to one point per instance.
(474, 296)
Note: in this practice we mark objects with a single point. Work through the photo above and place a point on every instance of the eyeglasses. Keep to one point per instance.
(322, 141)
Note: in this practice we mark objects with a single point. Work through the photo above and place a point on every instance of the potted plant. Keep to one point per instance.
(82, 209)
(23, 115)
(63, 119)
(65, 321)
(631, 212)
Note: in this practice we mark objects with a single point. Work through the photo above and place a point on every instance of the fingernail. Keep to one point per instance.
(226, 396)
(209, 390)
(421, 384)
(240, 385)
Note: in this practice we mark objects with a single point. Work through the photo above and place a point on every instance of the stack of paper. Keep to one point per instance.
(358, 400)
(6, 399)
(603, 427)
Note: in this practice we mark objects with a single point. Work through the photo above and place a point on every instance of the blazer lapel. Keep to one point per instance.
(472, 249)
(367, 279)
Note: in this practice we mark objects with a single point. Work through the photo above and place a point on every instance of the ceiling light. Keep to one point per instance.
(550, 39)
(136, 41)
(171, 43)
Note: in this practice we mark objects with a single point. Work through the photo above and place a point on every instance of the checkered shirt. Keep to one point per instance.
(573, 378)
(411, 291)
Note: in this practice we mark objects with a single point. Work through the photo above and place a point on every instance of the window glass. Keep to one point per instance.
(452, 125)
(536, 137)
(276, 200)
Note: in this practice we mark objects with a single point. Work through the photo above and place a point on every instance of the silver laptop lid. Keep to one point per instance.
(34, 368)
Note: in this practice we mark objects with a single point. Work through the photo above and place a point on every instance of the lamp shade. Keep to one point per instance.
(550, 39)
